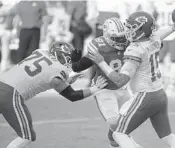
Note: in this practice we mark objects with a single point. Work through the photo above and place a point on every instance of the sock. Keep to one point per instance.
(170, 140)
(19, 143)
(123, 140)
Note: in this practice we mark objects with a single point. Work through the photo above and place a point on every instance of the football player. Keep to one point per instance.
(41, 71)
(141, 71)
(164, 10)
(111, 46)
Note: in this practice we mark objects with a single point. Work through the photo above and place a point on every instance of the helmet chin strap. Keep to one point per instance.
(139, 37)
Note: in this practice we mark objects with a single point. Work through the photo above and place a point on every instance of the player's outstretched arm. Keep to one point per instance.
(78, 63)
(120, 79)
(68, 92)
(163, 33)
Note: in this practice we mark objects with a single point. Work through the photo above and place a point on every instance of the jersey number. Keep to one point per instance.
(154, 65)
(37, 63)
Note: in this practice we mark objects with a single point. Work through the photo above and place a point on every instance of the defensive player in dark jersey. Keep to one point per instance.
(111, 46)
(41, 71)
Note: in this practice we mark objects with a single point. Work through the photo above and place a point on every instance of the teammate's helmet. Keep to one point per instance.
(62, 51)
(140, 24)
(114, 33)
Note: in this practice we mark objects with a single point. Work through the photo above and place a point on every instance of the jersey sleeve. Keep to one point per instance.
(59, 71)
(133, 53)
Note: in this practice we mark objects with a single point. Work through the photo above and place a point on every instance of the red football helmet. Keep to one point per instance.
(62, 51)
(139, 24)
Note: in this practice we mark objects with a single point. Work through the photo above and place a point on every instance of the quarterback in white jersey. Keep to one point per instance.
(41, 71)
(141, 72)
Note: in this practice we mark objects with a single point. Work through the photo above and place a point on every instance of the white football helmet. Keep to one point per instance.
(114, 33)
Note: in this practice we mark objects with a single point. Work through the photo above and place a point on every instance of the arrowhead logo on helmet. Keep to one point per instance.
(141, 19)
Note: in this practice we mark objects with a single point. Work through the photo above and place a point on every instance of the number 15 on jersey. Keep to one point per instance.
(155, 72)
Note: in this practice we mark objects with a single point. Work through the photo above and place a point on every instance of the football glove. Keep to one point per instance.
(76, 55)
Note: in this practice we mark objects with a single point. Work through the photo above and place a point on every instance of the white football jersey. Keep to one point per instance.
(147, 77)
(34, 74)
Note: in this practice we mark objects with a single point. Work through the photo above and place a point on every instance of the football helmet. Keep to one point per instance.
(62, 51)
(139, 24)
(114, 33)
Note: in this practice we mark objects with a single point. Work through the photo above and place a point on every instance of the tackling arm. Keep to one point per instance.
(122, 78)
(83, 64)
(78, 63)
(75, 95)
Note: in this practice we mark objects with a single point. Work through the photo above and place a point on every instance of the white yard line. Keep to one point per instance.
(64, 121)
(59, 121)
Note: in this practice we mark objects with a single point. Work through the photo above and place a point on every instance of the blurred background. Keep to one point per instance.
(28, 25)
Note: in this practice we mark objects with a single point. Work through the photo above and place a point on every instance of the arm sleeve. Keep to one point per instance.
(75, 95)
(67, 91)
(72, 95)
(82, 64)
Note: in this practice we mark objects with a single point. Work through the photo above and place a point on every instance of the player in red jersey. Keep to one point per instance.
(141, 71)
(111, 46)
(41, 71)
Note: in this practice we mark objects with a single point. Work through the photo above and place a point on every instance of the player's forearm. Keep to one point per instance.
(163, 33)
(83, 64)
(118, 79)
(76, 95)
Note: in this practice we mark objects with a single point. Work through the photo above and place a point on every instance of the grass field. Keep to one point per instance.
(61, 124)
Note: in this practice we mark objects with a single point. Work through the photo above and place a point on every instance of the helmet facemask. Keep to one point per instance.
(114, 33)
(134, 31)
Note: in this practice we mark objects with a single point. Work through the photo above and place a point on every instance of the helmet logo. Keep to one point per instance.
(141, 19)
